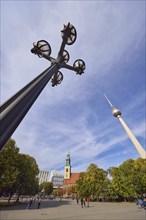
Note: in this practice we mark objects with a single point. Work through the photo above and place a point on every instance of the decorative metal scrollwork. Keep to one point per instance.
(57, 78)
(79, 65)
(71, 32)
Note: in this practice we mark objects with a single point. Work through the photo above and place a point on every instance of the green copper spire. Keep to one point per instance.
(68, 159)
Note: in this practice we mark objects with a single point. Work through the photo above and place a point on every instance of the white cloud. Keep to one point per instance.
(75, 116)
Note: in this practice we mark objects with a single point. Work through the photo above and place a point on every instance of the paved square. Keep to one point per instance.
(70, 210)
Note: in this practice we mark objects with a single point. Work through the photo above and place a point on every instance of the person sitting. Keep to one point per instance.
(139, 202)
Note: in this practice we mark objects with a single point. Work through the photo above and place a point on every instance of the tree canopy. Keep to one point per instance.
(124, 182)
(129, 179)
(46, 187)
(18, 173)
(91, 182)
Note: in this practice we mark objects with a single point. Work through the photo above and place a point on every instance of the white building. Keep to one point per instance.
(56, 178)
(43, 176)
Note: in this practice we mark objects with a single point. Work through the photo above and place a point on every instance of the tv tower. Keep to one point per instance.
(117, 113)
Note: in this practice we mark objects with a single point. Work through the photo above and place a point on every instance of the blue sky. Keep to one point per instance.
(75, 115)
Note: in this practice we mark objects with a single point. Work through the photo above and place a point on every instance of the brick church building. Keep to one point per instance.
(69, 177)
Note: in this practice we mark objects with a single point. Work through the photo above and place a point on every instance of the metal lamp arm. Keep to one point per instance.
(66, 66)
(35, 50)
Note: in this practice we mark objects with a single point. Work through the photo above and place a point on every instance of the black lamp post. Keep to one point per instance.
(13, 111)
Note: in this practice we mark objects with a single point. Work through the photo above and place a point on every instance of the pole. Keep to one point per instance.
(13, 111)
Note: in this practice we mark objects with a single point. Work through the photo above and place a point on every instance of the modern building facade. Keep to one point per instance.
(43, 176)
(56, 178)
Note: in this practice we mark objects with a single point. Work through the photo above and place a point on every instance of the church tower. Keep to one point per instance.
(67, 169)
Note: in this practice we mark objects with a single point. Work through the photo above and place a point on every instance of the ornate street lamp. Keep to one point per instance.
(13, 111)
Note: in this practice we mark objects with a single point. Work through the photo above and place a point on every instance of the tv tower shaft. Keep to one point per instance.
(117, 113)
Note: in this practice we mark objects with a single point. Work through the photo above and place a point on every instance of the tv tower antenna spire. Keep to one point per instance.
(117, 113)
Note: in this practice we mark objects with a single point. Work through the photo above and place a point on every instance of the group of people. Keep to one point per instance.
(31, 200)
(84, 202)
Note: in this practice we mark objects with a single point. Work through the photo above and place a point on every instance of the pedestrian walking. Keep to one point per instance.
(39, 203)
(88, 200)
(29, 203)
(144, 202)
(82, 202)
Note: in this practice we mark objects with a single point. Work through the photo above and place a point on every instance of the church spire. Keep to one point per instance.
(68, 159)
(67, 168)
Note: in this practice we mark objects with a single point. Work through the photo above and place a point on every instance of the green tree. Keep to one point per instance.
(58, 191)
(108, 191)
(71, 190)
(139, 176)
(116, 180)
(126, 170)
(27, 178)
(97, 180)
(92, 182)
(46, 187)
(82, 186)
(129, 179)
(9, 172)
(18, 173)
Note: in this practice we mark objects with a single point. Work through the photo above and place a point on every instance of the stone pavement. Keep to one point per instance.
(69, 210)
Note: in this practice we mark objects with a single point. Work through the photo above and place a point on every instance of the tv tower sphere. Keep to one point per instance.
(116, 112)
